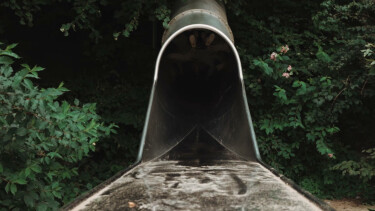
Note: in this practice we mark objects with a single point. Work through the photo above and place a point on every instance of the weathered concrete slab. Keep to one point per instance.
(218, 185)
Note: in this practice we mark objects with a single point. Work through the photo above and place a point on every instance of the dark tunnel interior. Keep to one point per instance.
(198, 91)
(197, 83)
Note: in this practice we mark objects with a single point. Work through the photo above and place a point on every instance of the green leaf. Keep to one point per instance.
(37, 69)
(310, 136)
(32, 75)
(11, 46)
(280, 93)
(285, 58)
(47, 160)
(116, 35)
(65, 107)
(20, 181)
(6, 60)
(296, 84)
(19, 77)
(264, 66)
(58, 133)
(54, 154)
(323, 56)
(322, 147)
(13, 188)
(85, 148)
(94, 140)
(366, 52)
(55, 185)
(29, 200)
(10, 54)
(57, 194)
(21, 131)
(7, 187)
(26, 66)
(1, 168)
(36, 168)
(27, 172)
(7, 70)
(302, 89)
(333, 130)
(28, 84)
(41, 207)
(59, 116)
(165, 25)
(61, 85)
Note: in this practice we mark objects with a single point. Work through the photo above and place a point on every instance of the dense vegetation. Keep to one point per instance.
(309, 69)
(43, 140)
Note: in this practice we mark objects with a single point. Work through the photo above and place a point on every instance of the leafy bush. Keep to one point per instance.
(364, 167)
(42, 140)
(307, 81)
(86, 15)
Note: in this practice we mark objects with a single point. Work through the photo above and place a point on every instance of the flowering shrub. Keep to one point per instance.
(309, 88)
(291, 104)
(42, 139)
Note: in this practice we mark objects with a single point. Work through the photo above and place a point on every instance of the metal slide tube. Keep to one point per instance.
(198, 87)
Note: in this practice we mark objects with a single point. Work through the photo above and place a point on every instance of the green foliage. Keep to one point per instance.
(300, 113)
(364, 167)
(88, 15)
(42, 139)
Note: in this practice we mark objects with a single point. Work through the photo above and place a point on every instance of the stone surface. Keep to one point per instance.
(216, 185)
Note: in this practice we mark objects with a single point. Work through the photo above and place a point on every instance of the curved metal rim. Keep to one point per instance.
(191, 11)
(197, 26)
(161, 52)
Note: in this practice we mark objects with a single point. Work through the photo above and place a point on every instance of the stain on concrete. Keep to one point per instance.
(226, 185)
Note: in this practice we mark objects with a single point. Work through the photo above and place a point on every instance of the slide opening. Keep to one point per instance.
(198, 86)
(197, 76)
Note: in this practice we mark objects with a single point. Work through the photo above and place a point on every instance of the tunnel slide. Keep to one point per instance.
(198, 149)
